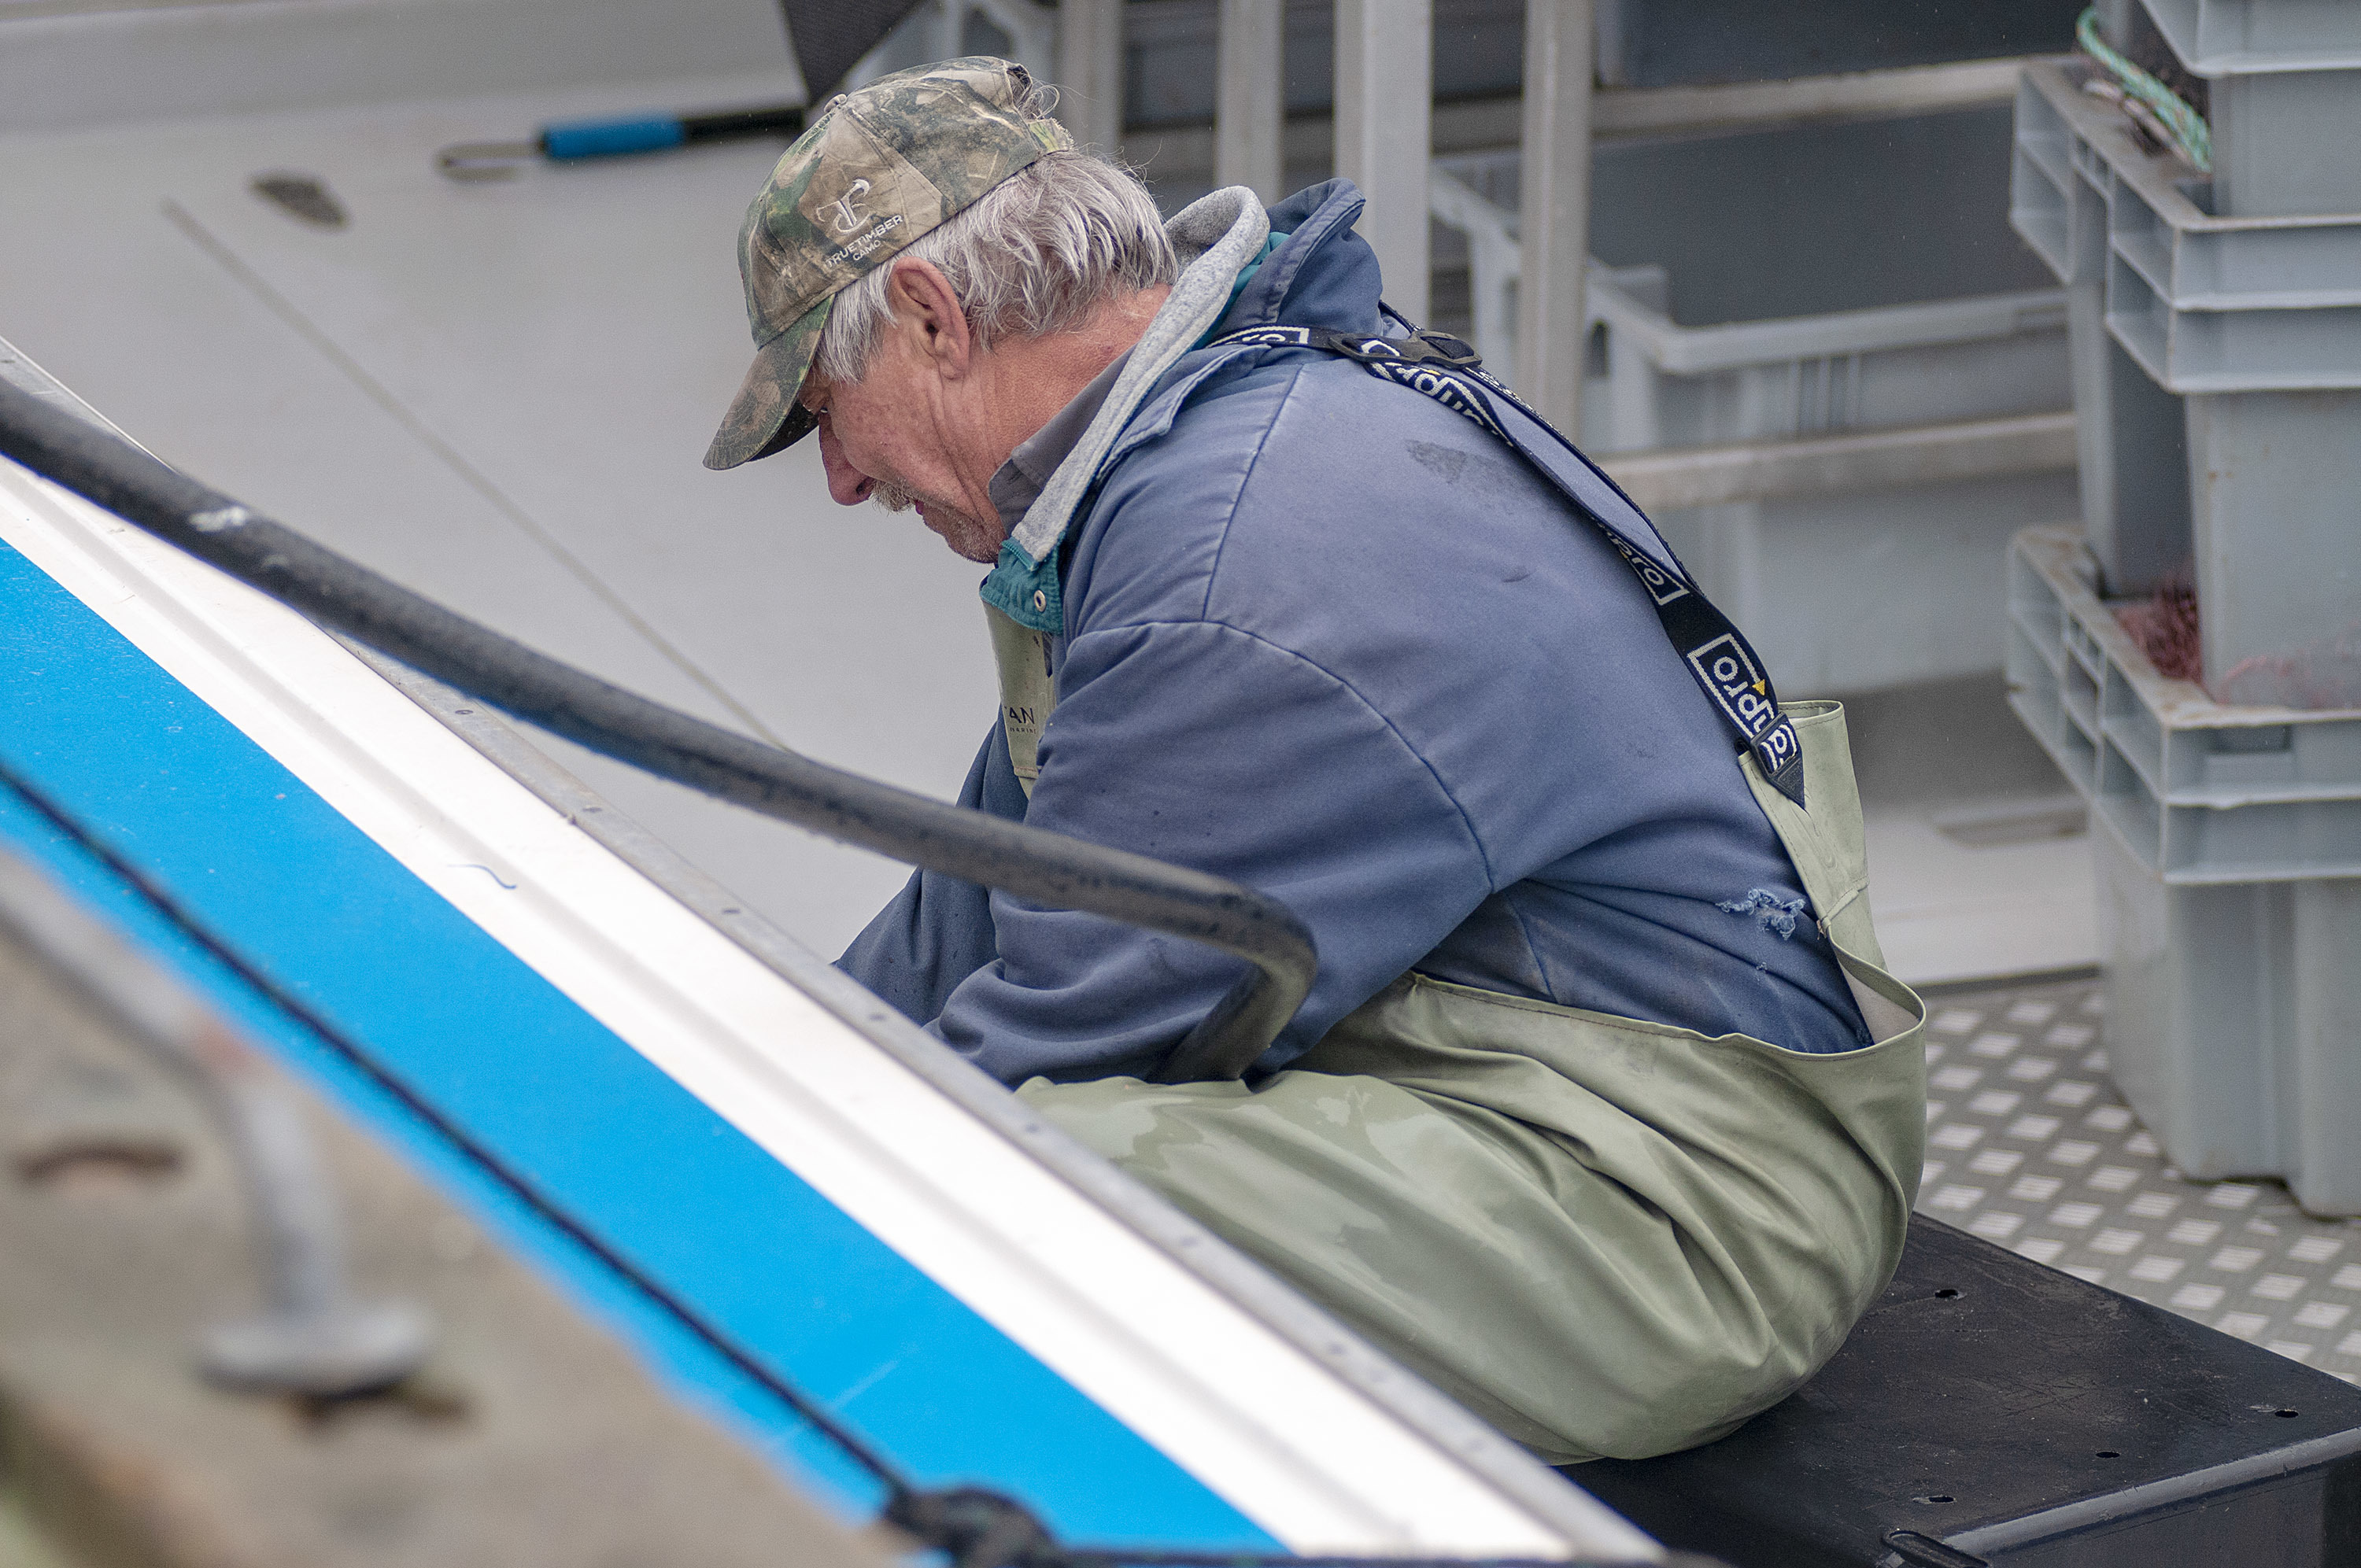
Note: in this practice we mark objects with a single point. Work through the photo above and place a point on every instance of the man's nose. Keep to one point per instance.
(848, 484)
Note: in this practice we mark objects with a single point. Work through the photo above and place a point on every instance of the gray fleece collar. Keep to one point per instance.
(1216, 237)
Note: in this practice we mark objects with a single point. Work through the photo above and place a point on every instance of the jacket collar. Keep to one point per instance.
(1217, 236)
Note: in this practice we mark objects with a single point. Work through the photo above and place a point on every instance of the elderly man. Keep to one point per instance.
(1601, 1113)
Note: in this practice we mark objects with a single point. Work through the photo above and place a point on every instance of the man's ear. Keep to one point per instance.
(925, 308)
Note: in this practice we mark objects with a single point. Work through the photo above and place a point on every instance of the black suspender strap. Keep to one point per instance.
(1717, 653)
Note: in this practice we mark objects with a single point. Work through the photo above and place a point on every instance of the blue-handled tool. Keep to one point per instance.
(575, 140)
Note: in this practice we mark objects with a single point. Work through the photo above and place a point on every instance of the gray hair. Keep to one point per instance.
(1035, 255)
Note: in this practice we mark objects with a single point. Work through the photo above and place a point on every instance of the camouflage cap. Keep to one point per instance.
(880, 167)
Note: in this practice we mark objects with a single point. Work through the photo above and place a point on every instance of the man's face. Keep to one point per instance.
(875, 451)
(913, 432)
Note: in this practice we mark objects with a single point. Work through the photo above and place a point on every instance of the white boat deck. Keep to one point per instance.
(1949, 910)
(499, 394)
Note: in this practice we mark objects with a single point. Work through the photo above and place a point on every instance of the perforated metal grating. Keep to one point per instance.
(2030, 1146)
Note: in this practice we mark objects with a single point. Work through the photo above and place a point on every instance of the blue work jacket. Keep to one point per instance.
(1326, 638)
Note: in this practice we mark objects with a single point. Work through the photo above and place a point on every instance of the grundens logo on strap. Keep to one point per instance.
(1661, 585)
(1731, 675)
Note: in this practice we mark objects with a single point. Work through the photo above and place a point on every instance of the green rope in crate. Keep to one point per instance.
(2186, 126)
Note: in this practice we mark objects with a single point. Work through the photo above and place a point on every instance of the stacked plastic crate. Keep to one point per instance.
(1774, 293)
(2192, 658)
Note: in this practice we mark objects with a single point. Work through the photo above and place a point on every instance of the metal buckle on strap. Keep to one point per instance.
(1425, 347)
(1420, 347)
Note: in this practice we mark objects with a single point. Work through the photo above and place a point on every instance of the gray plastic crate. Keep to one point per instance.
(1869, 296)
(2190, 350)
(2129, 434)
(2215, 37)
(2229, 867)
(2199, 792)
(2205, 303)
(1701, 344)
(2283, 142)
(1877, 283)
(2251, 475)
(1671, 385)
(2131, 437)
(2276, 479)
(1859, 590)
(1863, 589)
(2158, 215)
(2285, 98)
(2232, 1011)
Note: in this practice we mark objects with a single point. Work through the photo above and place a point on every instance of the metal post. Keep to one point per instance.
(1249, 112)
(1554, 209)
(313, 1336)
(1090, 72)
(1385, 102)
(1032, 31)
(1493, 258)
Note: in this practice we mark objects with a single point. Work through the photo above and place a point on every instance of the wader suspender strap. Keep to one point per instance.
(1716, 651)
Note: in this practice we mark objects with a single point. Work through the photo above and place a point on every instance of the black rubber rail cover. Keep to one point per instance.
(1992, 1410)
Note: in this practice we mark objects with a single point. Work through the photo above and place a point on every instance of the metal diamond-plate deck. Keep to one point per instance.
(2030, 1146)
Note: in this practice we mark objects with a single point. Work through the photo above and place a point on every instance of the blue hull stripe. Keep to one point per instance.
(304, 897)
